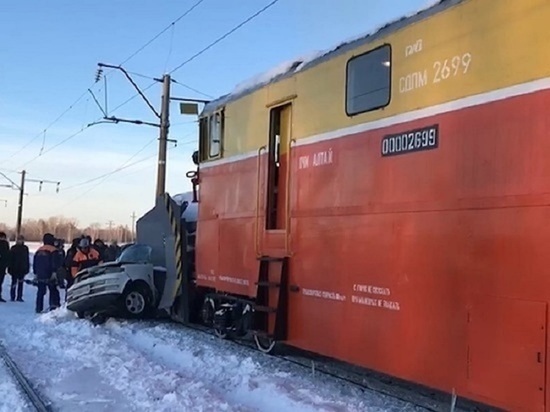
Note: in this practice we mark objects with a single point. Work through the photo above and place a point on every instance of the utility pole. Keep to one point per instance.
(188, 106)
(163, 139)
(21, 189)
(162, 116)
(110, 230)
(133, 226)
(20, 204)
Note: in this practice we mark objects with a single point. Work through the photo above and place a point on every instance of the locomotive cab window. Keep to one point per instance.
(211, 136)
(368, 83)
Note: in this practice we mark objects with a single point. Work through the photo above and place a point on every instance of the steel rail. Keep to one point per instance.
(396, 392)
(35, 399)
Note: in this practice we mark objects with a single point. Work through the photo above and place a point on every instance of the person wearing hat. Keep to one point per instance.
(18, 268)
(4, 260)
(86, 257)
(45, 264)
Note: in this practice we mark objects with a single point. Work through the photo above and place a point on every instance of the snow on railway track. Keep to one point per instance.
(129, 366)
(255, 380)
(14, 388)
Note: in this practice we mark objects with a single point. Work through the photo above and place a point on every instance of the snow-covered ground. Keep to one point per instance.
(148, 366)
(10, 397)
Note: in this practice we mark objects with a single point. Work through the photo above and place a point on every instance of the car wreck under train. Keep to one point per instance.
(385, 204)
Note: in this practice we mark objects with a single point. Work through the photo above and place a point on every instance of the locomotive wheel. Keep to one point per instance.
(208, 310)
(245, 323)
(264, 344)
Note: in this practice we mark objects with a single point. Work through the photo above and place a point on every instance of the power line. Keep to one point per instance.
(42, 133)
(71, 106)
(107, 176)
(170, 48)
(144, 76)
(122, 167)
(218, 40)
(193, 89)
(139, 50)
(227, 34)
(58, 144)
(124, 103)
(104, 178)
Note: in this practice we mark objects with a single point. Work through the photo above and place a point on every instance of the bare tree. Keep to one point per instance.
(67, 229)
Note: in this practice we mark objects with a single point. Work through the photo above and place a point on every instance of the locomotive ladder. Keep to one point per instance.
(272, 298)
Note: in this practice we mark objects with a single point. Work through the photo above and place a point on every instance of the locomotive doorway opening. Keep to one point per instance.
(278, 162)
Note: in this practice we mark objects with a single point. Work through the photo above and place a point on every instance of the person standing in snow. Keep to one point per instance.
(45, 264)
(86, 256)
(61, 275)
(101, 248)
(113, 251)
(4, 260)
(19, 266)
(69, 259)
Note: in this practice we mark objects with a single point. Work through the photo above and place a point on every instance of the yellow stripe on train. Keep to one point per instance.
(450, 55)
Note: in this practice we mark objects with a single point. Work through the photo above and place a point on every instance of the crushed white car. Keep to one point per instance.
(129, 287)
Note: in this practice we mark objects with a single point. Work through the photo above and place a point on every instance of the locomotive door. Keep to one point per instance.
(273, 232)
(276, 231)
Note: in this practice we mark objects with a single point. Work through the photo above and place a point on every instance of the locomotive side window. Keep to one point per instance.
(215, 135)
(368, 82)
(203, 139)
(211, 136)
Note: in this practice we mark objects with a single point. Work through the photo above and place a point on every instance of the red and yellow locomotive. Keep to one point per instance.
(386, 203)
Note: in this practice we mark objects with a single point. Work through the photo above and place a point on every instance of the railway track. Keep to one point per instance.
(365, 380)
(36, 401)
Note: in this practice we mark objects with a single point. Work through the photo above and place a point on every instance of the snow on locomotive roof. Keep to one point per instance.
(305, 62)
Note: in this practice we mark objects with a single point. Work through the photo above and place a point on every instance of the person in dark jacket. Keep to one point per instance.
(113, 251)
(61, 275)
(19, 266)
(45, 264)
(70, 269)
(4, 260)
(101, 248)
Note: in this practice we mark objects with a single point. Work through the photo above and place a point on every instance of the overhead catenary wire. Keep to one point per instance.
(124, 165)
(204, 50)
(107, 176)
(184, 14)
(73, 200)
(193, 89)
(170, 47)
(42, 133)
(144, 76)
(225, 35)
(72, 105)
(70, 137)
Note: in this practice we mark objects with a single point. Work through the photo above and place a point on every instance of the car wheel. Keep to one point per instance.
(136, 302)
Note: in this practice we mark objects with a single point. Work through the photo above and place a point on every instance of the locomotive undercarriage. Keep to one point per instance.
(233, 317)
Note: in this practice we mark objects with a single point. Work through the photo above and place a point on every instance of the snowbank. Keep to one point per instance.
(253, 380)
(143, 366)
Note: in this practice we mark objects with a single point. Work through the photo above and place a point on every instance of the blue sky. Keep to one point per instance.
(49, 52)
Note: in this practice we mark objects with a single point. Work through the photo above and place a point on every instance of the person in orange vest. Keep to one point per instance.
(85, 258)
